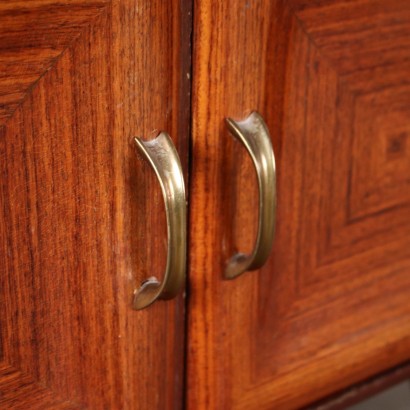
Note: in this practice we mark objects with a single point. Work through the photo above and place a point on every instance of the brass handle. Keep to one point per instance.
(163, 157)
(254, 134)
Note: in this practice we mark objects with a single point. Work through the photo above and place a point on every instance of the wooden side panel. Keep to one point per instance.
(330, 308)
(81, 215)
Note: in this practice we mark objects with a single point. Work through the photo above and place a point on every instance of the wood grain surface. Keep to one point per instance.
(32, 38)
(81, 215)
(331, 306)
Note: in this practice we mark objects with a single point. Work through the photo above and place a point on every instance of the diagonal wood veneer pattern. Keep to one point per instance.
(16, 387)
(79, 80)
(32, 37)
(332, 79)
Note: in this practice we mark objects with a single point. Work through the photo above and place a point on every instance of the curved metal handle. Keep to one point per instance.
(163, 157)
(254, 134)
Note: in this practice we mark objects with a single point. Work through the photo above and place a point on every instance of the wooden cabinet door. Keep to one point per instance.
(82, 221)
(331, 305)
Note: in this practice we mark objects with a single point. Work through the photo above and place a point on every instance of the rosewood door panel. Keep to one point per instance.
(82, 221)
(330, 307)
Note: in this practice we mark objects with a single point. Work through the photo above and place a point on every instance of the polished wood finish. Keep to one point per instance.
(330, 308)
(82, 219)
(32, 38)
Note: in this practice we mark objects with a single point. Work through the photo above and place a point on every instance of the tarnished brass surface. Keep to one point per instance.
(254, 134)
(163, 157)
